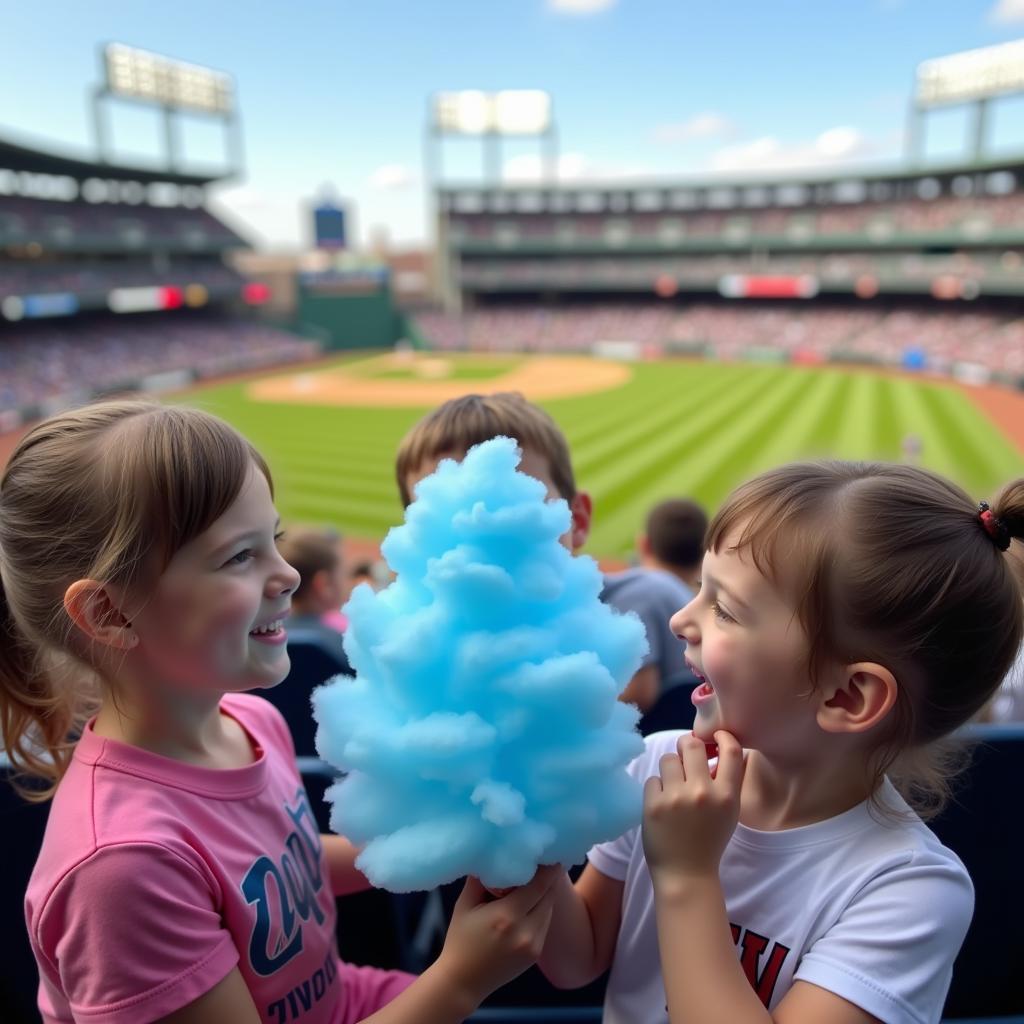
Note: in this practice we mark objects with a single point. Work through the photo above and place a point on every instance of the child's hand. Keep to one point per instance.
(490, 941)
(689, 815)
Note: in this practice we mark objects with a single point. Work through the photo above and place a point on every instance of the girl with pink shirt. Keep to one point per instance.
(182, 876)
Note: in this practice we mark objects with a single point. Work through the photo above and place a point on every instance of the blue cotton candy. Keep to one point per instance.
(482, 734)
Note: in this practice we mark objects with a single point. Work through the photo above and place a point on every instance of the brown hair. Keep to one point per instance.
(891, 564)
(675, 532)
(454, 427)
(105, 492)
(309, 550)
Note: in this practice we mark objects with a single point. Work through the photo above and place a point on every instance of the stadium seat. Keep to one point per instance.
(317, 777)
(22, 824)
(673, 709)
(367, 931)
(312, 664)
(984, 826)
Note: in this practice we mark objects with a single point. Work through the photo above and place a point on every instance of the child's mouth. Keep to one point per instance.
(271, 633)
(705, 691)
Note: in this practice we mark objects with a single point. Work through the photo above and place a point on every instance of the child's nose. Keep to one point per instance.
(684, 625)
(287, 580)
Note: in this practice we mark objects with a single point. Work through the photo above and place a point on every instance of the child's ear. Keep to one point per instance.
(93, 609)
(318, 582)
(858, 698)
(582, 509)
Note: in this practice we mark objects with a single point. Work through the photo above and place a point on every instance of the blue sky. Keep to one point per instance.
(336, 93)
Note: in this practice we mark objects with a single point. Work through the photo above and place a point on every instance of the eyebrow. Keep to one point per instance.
(731, 595)
(224, 548)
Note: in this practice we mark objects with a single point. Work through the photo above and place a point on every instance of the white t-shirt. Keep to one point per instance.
(871, 910)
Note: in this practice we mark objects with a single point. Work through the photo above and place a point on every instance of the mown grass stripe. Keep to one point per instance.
(686, 456)
(789, 441)
(646, 442)
(968, 436)
(887, 432)
(854, 438)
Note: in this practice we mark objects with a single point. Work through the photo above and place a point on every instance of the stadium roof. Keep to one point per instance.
(17, 157)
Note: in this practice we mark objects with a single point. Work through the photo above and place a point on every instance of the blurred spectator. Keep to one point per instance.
(316, 604)
(912, 446)
(674, 541)
(670, 551)
(376, 574)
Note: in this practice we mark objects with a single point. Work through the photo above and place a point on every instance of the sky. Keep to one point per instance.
(334, 95)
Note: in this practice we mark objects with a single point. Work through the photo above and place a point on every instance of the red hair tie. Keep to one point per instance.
(994, 527)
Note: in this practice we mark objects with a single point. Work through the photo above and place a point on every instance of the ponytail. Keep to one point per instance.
(36, 721)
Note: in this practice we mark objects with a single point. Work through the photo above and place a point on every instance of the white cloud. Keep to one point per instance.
(527, 168)
(1007, 11)
(580, 7)
(261, 216)
(707, 125)
(392, 177)
(835, 146)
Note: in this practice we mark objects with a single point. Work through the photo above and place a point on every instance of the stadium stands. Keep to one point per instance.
(81, 227)
(913, 268)
(916, 337)
(950, 219)
(46, 364)
(96, 278)
(119, 284)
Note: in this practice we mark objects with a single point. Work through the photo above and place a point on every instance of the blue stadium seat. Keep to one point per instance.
(673, 709)
(984, 825)
(312, 664)
(22, 825)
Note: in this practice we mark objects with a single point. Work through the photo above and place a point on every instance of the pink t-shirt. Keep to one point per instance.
(157, 877)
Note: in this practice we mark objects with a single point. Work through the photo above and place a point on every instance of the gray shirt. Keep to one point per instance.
(655, 596)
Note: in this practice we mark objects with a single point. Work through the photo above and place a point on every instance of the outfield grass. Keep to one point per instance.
(677, 428)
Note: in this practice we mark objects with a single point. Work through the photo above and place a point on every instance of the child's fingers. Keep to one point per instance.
(472, 895)
(731, 760)
(671, 770)
(652, 789)
(694, 758)
(525, 897)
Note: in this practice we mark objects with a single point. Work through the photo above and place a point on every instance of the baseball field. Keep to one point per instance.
(638, 432)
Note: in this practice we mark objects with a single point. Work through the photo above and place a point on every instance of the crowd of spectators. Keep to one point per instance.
(643, 272)
(937, 339)
(84, 278)
(46, 362)
(109, 226)
(973, 217)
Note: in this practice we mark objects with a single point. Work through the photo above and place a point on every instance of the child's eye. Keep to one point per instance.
(241, 558)
(721, 613)
(278, 537)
